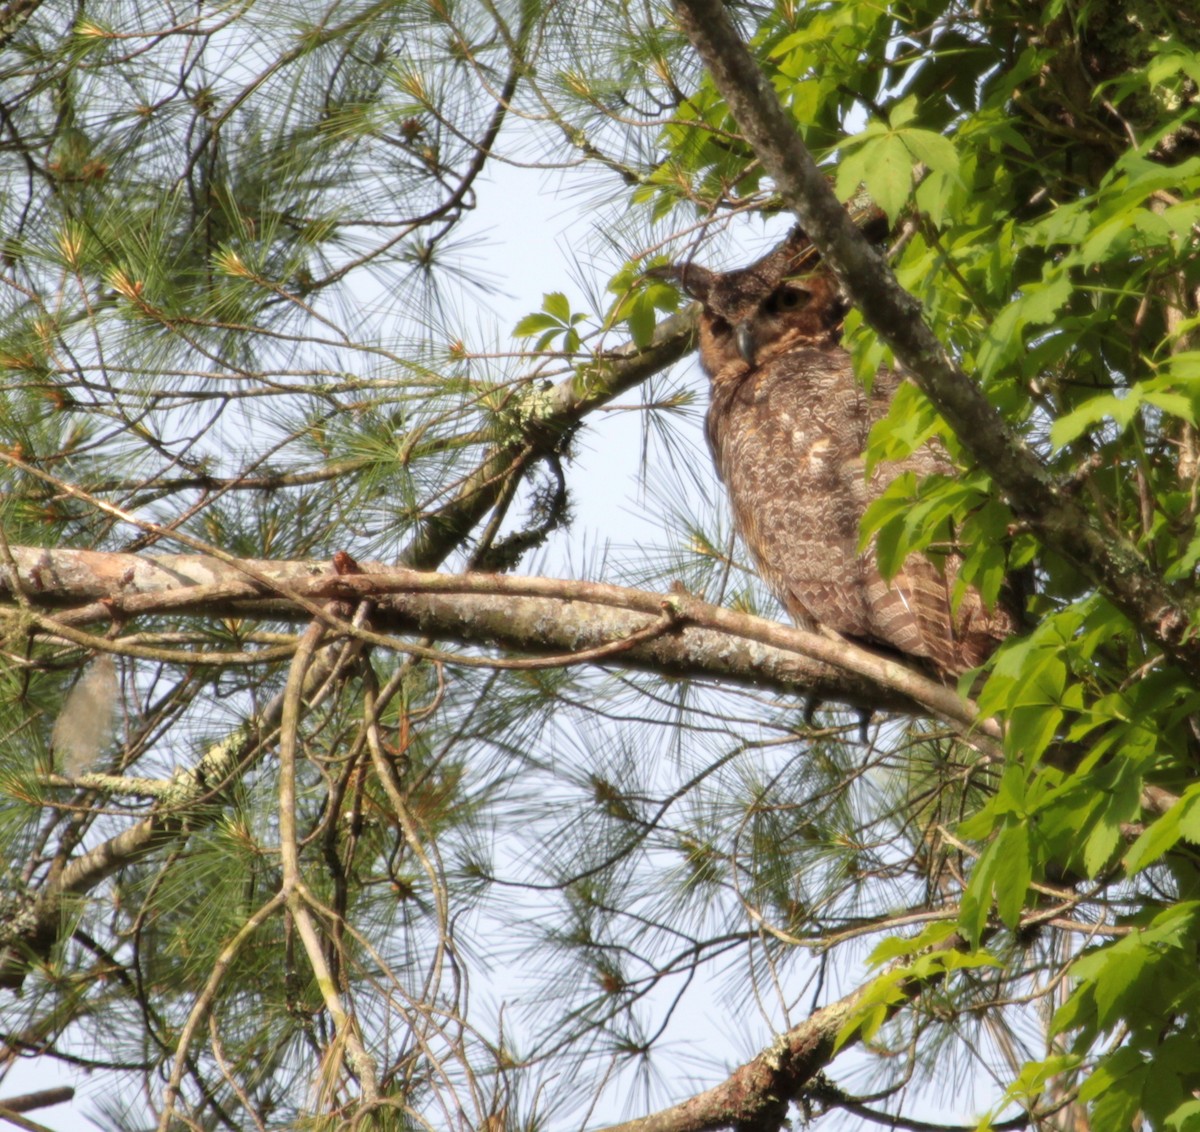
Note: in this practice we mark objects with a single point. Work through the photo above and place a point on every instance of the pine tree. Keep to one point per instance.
(344, 787)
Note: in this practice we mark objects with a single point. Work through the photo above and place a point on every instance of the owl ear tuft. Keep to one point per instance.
(690, 278)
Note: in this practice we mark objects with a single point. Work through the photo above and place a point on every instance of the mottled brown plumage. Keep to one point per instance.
(788, 425)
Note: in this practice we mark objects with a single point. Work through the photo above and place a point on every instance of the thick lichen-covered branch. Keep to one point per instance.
(537, 616)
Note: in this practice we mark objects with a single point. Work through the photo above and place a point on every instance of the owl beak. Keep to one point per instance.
(743, 335)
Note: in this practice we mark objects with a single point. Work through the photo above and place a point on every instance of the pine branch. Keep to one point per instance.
(755, 1097)
(564, 406)
(32, 922)
(531, 615)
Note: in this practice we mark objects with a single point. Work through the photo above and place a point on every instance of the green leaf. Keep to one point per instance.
(1185, 366)
(888, 174)
(555, 304)
(903, 112)
(1162, 834)
(1121, 974)
(1121, 804)
(1005, 339)
(1030, 731)
(1010, 794)
(1031, 1082)
(852, 170)
(1185, 565)
(872, 1009)
(896, 947)
(935, 150)
(1117, 1106)
(1162, 1090)
(642, 319)
(1185, 1118)
(1012, 873)
(976, 901)
(1117, 1066)
(938, 195)
(951, 959)
(533, 324)
(910, 421)
(1072, 425)
(1077, 1013)
(881, 160)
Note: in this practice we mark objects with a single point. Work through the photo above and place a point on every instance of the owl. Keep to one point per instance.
(787, 426)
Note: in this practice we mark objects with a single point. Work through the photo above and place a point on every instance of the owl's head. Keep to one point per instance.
(778, 302)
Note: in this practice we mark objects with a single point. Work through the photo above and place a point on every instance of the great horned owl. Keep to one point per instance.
(787, 425)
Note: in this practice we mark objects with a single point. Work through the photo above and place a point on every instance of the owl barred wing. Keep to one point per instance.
(910, 612)
(913, 613)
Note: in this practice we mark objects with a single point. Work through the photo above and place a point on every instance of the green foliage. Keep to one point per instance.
(555, 320)
(240, 307)
(1056, 261)
(1182, 820)
(883, 158)
(890, 991)
(639, 302)
(1154, 1070)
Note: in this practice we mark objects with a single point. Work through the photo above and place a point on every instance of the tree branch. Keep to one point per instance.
(584, 621)
(755, 1096)
(561, 410)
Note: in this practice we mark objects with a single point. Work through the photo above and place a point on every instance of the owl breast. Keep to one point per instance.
(787, 440)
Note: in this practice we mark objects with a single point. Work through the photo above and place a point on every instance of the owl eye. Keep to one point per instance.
(786, 299)
(718, 326)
